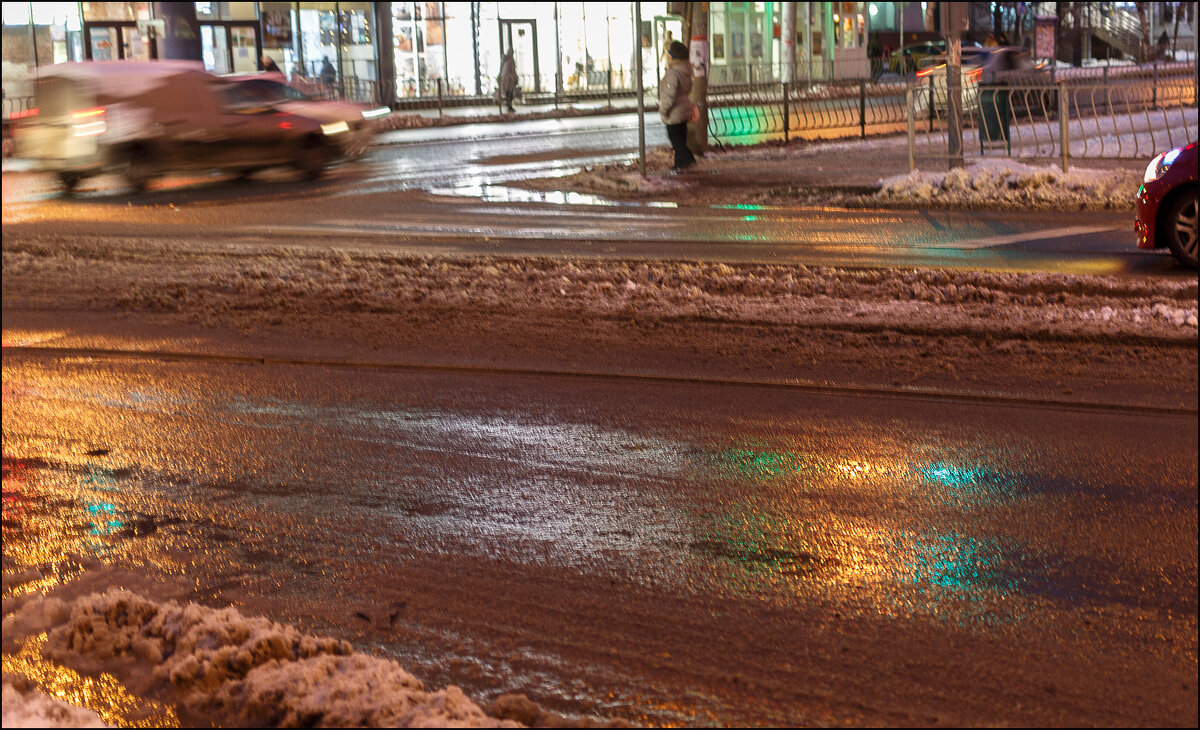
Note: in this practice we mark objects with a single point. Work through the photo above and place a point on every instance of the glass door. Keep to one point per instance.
(667, 30)
(521, 37)
(134, 46)
(214, 48)
(243, 45)
(101, 46)
(117, 42)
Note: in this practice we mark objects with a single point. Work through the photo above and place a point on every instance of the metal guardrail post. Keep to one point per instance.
(1064, 139)
(931, 103)
(787, 115)
(912, 126)
(439, 88)
(1154, 98)
(862, 109)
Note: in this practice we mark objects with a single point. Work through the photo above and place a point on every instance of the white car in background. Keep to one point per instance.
(1008, 65)
(352, 125)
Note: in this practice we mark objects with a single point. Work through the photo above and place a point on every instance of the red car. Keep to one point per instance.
(1166, 204)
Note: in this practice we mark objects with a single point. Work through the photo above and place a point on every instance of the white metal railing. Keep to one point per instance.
(1086, 121)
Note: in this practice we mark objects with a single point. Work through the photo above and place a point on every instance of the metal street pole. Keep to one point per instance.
(955, 20)
(954, 101)
(789, 43)
(641, 96)
(699, 56)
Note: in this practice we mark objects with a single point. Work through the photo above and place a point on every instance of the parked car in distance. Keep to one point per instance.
(148, 118)
(906, 59)
(1166, 204)
(362, 121)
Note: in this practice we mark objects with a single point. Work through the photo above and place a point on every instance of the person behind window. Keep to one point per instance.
(269, 65)
(328, 75)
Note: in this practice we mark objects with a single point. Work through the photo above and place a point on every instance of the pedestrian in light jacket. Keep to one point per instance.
(674, 105)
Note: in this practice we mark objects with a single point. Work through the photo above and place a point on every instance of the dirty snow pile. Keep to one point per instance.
(210, 283)
(236, 669)
(1010, 184)
(34, 709)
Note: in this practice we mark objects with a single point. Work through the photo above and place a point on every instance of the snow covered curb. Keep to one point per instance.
(1010, 184)
(232, 668)
(208, 283)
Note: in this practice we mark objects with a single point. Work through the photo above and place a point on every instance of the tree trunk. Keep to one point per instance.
(1144, 21)
(1175, 35)
(1077, 48)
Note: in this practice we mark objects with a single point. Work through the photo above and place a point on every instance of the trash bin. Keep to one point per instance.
(995, 113)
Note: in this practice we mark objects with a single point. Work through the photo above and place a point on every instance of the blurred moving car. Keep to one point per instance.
(1166, 204)
(1007, 65)
(146, 118)
(362, 121)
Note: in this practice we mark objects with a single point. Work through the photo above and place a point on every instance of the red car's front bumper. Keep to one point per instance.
(1149, 196)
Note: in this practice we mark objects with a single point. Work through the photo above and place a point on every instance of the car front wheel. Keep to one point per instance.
(1180, 228)
(312, 159)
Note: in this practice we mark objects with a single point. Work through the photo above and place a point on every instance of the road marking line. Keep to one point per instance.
(1023, 237)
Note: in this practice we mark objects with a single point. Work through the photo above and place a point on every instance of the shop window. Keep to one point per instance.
(227, 11)
(18, 54)
(116, 11)
(57, 29)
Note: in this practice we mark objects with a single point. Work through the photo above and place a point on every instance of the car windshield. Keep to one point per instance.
(266, 91)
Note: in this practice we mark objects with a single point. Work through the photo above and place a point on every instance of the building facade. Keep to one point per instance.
(419, 51)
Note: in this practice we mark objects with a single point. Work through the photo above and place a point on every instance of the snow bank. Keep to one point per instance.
(238, 669)
(34, 709)
(212, 282)
(1010, 184)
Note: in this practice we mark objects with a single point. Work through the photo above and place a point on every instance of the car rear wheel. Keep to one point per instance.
(140, 170)
(69, 181)
(1180, 229)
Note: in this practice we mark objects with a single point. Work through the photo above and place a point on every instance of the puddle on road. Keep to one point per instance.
(891, 521)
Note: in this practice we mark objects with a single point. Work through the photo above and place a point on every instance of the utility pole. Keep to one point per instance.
(641, 94)
(699, 56)
(788, 31)
(953, 19)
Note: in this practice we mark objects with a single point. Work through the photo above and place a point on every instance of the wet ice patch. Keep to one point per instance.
(230, 668)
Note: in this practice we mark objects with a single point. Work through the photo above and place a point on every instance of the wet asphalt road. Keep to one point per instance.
(448, 190)
(662, 553)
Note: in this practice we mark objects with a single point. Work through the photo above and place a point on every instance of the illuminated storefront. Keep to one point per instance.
(587, 48)
(420, 51)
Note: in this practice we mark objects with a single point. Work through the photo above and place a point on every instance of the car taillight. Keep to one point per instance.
(930, 70)
(95, 111)
(24, 113)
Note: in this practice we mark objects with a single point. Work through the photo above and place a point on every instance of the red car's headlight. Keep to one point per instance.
(1160, 165)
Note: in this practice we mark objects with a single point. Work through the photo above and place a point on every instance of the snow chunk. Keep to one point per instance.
(250, 670)
(34, 709)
